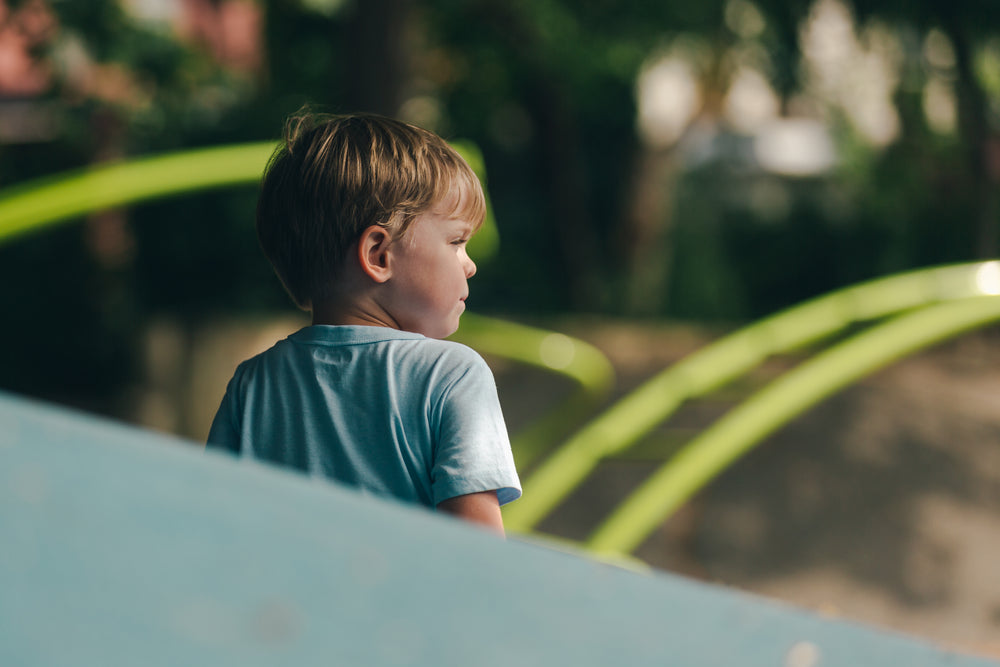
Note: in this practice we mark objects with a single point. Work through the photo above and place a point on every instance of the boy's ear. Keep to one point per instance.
(373, 253)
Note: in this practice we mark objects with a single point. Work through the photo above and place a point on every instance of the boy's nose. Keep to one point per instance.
(470, 267)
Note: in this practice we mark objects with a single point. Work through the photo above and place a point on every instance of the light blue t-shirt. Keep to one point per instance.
(391, 412)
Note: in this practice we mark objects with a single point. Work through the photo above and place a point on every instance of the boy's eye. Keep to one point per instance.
(460, 241)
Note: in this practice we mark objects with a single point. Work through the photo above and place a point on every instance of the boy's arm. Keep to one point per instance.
(482, 508)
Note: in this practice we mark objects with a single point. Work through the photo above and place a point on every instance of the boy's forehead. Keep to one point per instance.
(457, 204)
(451, 219)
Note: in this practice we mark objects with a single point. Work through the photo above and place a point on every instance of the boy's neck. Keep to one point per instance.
(339, 314)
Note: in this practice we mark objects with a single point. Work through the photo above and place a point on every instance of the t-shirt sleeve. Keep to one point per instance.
(224, 433)
(473, 449)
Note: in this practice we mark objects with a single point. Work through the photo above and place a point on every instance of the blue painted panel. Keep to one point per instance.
(124, 547)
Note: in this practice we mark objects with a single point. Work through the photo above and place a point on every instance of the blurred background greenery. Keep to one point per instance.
(707, 162)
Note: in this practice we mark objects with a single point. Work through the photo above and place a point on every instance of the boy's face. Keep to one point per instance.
(430, 271)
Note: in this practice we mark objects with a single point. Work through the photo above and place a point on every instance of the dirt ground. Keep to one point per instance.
(881, 504)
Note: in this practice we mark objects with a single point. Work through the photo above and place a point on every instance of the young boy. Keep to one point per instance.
(365, 220)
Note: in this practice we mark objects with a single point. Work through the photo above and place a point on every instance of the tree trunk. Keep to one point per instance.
(973, 127)
(377, 56)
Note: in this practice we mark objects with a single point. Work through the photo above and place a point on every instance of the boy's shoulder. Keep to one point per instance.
(401, 353)
(447, 354)
(378, 339)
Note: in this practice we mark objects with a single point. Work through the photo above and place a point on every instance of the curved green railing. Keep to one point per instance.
(39, 204)
(735, 434)
(570, 357)
(63, 197)
(32, 206)
(638, 413)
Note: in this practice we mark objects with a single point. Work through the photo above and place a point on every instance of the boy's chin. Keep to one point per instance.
(447, 331)
(439, 328)
(444, 333)
(439, 333)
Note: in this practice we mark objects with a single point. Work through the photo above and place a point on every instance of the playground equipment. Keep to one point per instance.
(127, 547)
(921, 308)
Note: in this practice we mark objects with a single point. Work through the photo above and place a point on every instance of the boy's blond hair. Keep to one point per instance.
(335, 176)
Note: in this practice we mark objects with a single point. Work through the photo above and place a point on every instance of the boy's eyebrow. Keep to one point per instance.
(462, 224)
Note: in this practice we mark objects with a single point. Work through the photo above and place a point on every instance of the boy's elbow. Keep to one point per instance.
(481, 508)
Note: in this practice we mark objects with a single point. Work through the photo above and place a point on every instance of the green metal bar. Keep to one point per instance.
(638, 413)
(47, 201)
(787, 397)
(38, 204)
(575, 359)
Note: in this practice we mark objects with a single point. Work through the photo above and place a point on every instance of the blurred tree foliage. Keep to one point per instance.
(592, 216)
